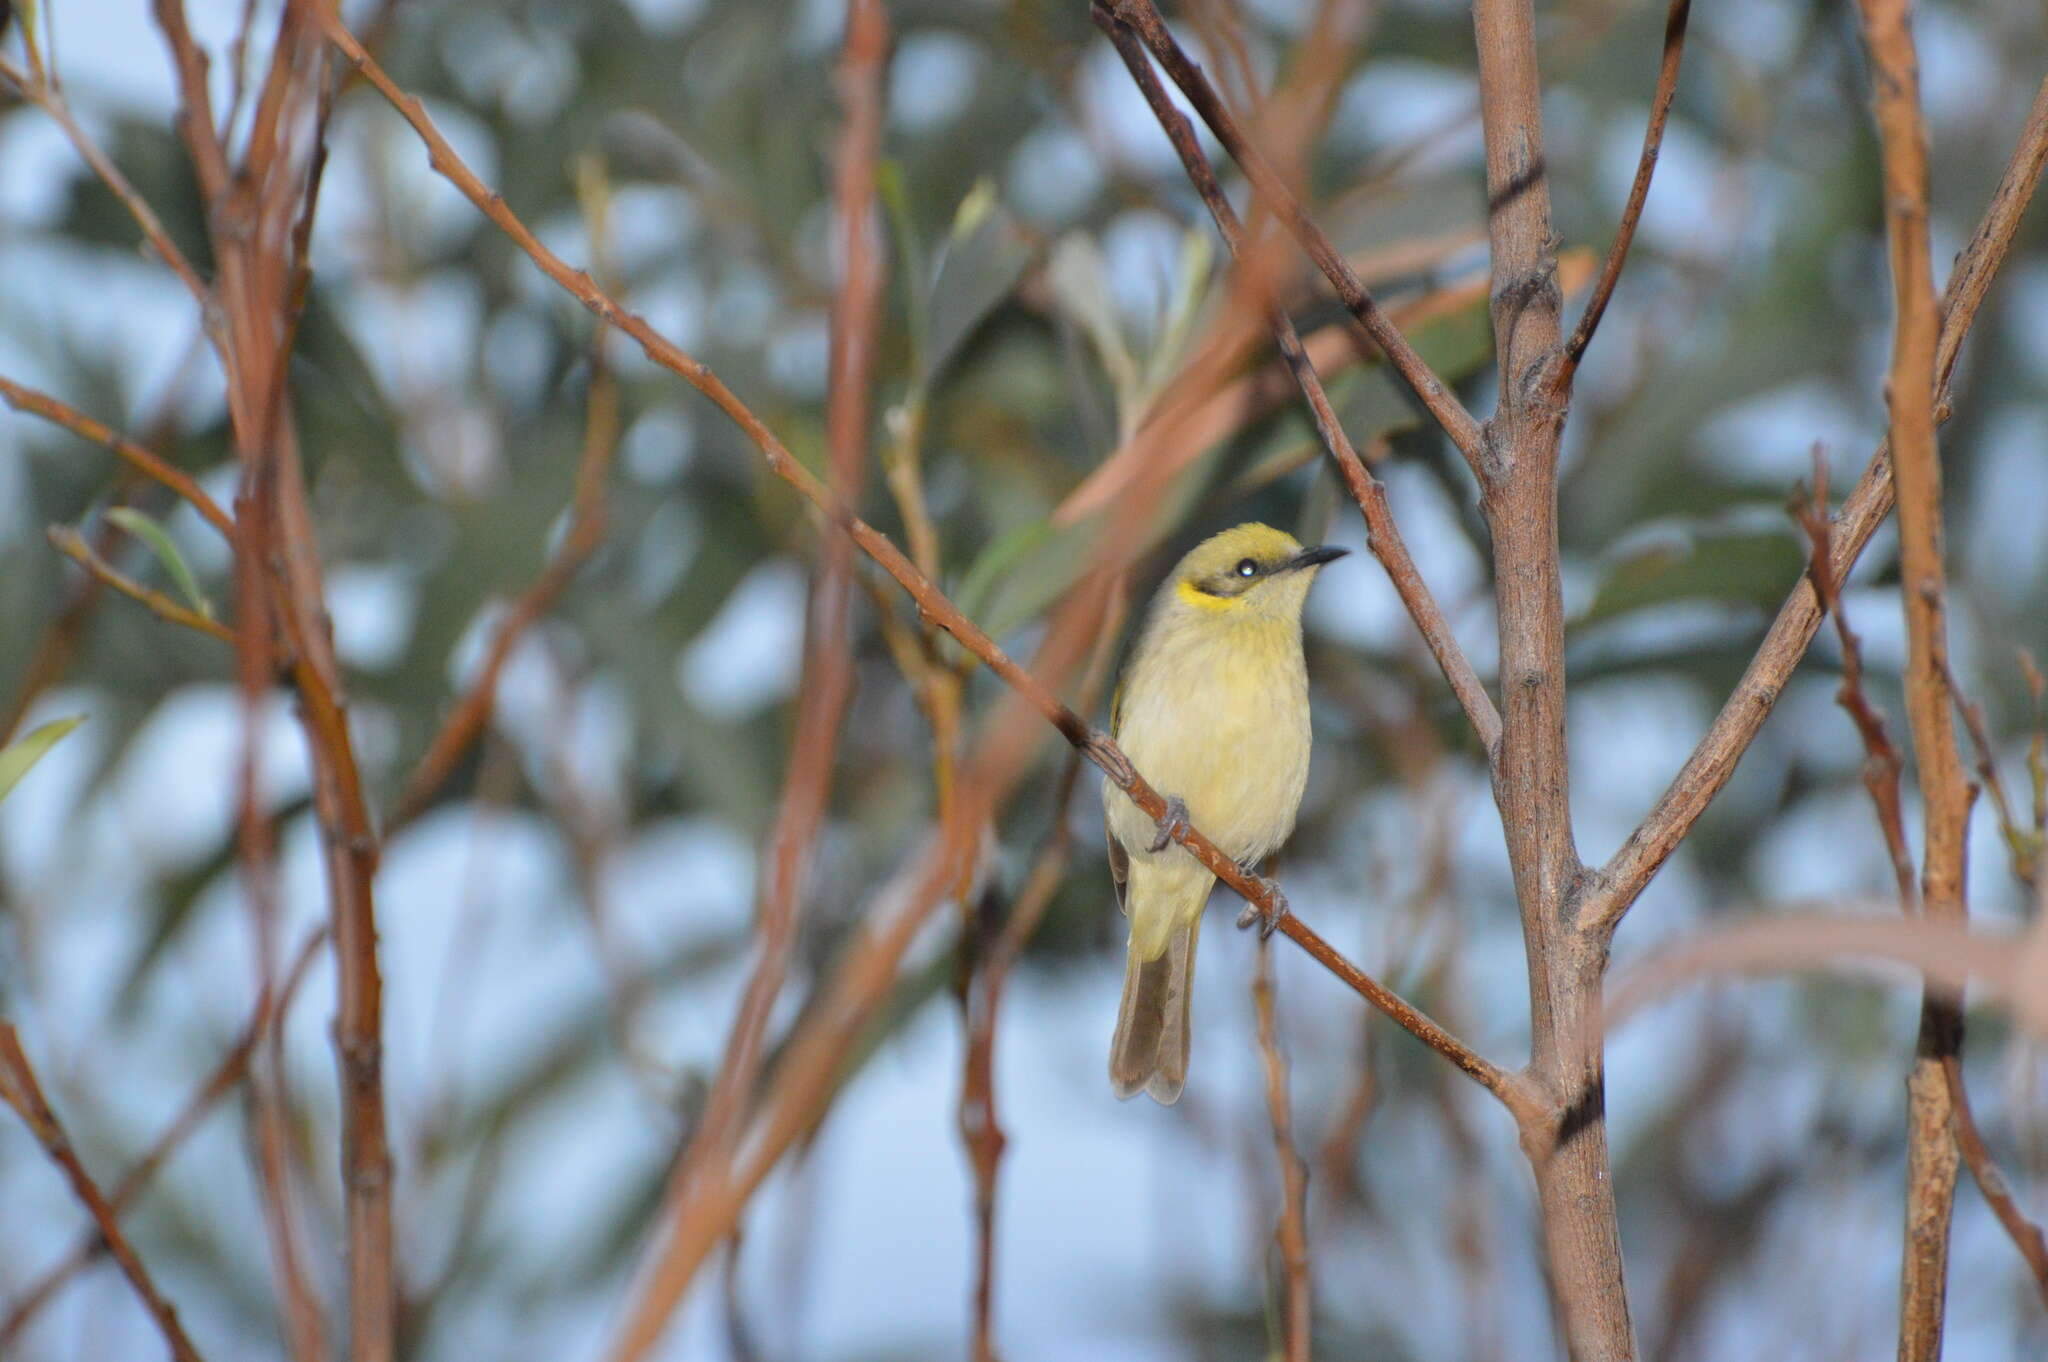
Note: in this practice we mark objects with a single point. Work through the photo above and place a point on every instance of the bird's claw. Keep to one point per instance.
(1172, 823)
(1268, 919)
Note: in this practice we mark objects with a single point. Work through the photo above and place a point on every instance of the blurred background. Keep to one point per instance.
(565, 929)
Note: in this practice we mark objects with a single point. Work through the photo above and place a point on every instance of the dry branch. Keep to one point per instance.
(142, 460)
(1638, 193)
(1291, 1233)
(20, 1090)
(1931, 1151)
(227, 1075)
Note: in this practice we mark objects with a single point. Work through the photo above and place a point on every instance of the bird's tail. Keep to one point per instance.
(1150, 1051)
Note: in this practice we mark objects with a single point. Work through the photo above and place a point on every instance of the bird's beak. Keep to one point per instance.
(1316, 557)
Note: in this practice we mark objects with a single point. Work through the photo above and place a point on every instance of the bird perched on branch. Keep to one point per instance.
(1212, 709)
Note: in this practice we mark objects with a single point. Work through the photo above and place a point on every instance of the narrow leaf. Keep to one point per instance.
(161, 544)
(18, 756)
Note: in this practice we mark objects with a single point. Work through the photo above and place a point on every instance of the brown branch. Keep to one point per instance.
(1367, 490)
(2022, 845)
(2026, 1235)
(1638, 194)
(1713, 761)
(257, 215)
(1931, 1151)
(1291, 1234)
(1881, 761)
(51, 101)
(20, 1090)
(1142, 18)
(228, 1074)
(1567, 1148)
(828, 654)
(142, 460)
(72, 545)
(587, 523)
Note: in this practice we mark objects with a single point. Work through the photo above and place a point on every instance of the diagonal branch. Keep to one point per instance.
(1143, 19)
(1367, 490)
(20, 1090)
(587, 516)
(142, 460)
(1638, 194)
(51, 100)
(1713, 761)
(232, 1070)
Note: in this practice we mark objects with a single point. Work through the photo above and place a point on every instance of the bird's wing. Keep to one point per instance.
(1119, 859)
(1119, 867)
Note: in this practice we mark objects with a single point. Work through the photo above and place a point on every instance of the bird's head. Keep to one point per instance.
(1249, 571)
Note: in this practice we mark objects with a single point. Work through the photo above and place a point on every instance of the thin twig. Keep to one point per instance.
(587, 522)
(1638, 193)
(229, 1073)
(142, 460)
(1881, 761)
(72, 545)
(1291, 1234)
(2026, 1235)
(1141, 17)
(51, 101)
(20, 1090)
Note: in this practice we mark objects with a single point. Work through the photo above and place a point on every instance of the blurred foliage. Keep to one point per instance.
(1049, 271)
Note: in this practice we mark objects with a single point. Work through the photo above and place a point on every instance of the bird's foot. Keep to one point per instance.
(1268, 918)
(1172, 823)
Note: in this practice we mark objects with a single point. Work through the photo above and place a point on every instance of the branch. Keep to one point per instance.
(1142, 18)
(1713, 761)
(20, 1090)
(72, 545)
(143, 461)
(51, 101)
(1997, 1193)
(827, 684)
(587, 516)
(1638, 194)
(1931, 1151)
(1367, 490)
(1291, 1236)
(226, 1076)
(1881, 762)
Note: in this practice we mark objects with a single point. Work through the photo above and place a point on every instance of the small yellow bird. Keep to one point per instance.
(1212, 709)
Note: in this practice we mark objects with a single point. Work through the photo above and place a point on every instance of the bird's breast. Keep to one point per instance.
(1225, 726)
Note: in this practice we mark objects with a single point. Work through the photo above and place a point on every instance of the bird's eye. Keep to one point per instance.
(1246, 567)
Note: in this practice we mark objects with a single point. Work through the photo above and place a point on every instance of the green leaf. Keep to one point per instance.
(149, 532)
(889, 184)
(980, 263)
(1079, 279)
(1190, 290)
(19, 755)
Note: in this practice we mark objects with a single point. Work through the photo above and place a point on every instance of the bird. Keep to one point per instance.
(1212, 710)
